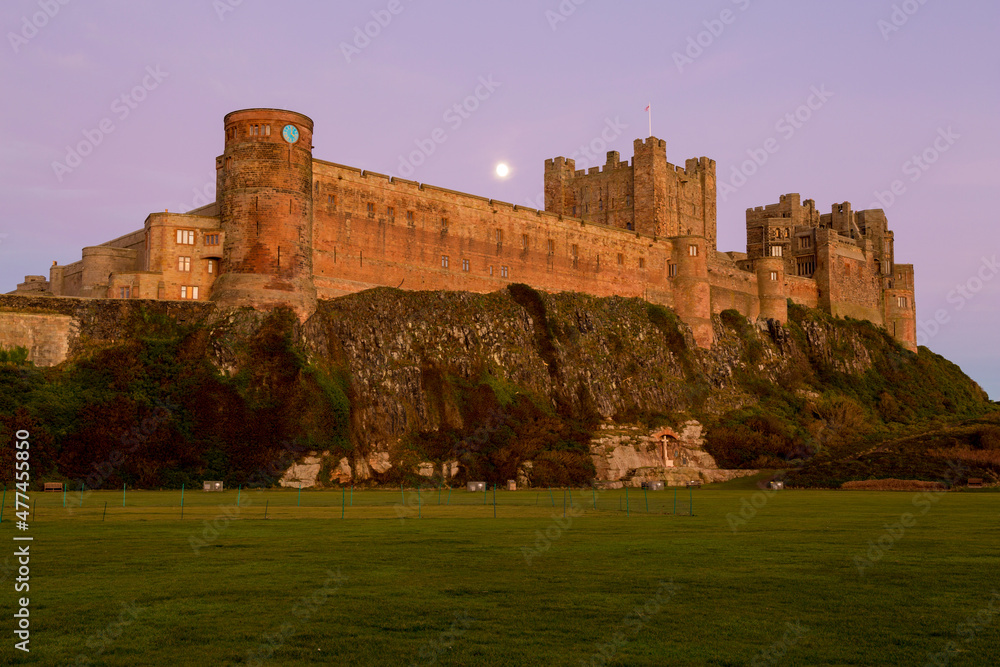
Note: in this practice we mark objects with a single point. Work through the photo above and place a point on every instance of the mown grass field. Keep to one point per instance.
(456, 586)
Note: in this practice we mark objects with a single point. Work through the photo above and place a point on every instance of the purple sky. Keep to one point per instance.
(561, 79)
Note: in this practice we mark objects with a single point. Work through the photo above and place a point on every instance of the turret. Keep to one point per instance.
(771, 288)
(265, 199)
(649, 167)
(692, 292)
(900, 307)
(559, 196)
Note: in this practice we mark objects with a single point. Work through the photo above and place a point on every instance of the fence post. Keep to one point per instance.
(626, 501)
(182, 500)
(645, 496)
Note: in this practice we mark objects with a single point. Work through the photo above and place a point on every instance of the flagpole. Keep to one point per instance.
(649, 109)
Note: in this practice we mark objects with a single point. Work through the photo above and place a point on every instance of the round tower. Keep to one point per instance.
(266, 211)
(692, 292)
(771, 288)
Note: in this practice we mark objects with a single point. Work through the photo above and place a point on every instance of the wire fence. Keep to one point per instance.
(347, 502)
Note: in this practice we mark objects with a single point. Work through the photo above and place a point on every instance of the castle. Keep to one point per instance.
(288, 229)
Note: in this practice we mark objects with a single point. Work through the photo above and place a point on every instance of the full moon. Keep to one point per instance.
(502, 170)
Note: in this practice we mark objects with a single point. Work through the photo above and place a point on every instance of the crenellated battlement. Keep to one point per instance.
(650, 144)
(560, 164)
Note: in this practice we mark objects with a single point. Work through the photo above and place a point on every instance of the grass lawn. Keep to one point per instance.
(140, 586)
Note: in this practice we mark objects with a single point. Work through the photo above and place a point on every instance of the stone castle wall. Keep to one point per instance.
(287, 229)
(373, 230)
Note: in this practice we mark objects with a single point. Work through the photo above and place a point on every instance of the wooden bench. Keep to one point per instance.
(53, 486)
(694, 483)
(975, 483)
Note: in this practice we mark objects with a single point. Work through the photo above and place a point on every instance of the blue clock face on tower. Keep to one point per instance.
(290, 133)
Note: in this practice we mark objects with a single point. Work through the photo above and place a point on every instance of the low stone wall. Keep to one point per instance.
(45, 336)
(50, 327)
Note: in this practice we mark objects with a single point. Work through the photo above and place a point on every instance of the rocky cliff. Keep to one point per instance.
(385, 385)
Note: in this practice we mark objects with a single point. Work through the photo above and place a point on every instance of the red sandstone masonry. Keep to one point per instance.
(292, 228)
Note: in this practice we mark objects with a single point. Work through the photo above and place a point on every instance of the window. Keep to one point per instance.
(189, 292)
(628, 200)
(212, 266)
(774, 275)
(806, 267)
(124, 292)
(491, 270)
(902, 302)
(183, 263)
(211, 239)
(409, 218)
(642, 262)
(444, 224)
(776, 250)
(524, 241)
(391, 213)
(185, 237)
(692, 250)
(600, 205)
(621, 259)
(317, 187)
(465, 265)
(574, 210)
(267, 130)
(574, 252)
(499, 235)
(503, 272)
(371, 210)
(672, 271)
(444, 261)
(552, 247)
(805, 241)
